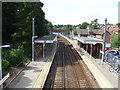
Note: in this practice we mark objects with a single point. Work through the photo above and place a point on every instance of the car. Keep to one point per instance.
(110, 54)
(112, 51)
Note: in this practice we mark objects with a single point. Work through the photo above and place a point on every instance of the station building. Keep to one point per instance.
(91, 40)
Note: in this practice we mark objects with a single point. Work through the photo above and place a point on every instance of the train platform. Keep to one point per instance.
(104, 77)
(35, 74)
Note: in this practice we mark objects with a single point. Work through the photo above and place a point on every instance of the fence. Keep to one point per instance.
(114, 60)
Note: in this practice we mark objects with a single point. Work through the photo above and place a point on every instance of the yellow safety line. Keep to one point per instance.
(39, 76)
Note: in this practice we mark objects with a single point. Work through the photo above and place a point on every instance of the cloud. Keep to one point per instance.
(78, 11)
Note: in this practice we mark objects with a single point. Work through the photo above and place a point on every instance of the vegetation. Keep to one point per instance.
(95, 24)
(84, 25)
(5, 65)
(76, 32)
(115, 40)
(118, 24)
(17, 29)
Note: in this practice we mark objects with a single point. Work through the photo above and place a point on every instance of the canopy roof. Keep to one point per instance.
(89, 40)
(46, 39)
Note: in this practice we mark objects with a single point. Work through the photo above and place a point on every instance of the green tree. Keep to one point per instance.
(9, 12)
(27, 11)
(84, 25)
(49, 25)
(115, 40)
(118, 24)
(69, 27)
(95, 24)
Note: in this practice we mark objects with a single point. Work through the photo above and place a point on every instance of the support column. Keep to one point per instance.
(43, 50)
(86, 48)
(91, 51)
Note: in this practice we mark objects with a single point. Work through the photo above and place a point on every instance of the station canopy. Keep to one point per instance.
(89, 40)
(47, 39)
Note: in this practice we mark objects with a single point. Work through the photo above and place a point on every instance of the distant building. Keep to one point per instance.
(113, 28)
(91, 40)
(96, 33)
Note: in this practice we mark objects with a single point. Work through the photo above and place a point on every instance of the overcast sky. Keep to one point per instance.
(77, 11)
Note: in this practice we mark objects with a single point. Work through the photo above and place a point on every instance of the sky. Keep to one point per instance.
(76, 12)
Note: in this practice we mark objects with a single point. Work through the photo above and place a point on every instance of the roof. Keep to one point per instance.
(95, 31)
(89, 40)
(47, 38)
(98, 31)
(83, 31)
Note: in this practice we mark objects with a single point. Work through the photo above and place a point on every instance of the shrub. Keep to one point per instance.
(5, 65)
(15, 56)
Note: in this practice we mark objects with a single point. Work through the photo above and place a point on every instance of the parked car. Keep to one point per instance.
(112, 51)
(110, 54)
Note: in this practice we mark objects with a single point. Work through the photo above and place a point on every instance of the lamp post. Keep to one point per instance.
(1, 86)
(33, 54)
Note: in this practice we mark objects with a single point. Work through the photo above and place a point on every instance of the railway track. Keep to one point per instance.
(68, 69)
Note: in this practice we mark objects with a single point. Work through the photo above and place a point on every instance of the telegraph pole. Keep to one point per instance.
(104, 41)
(33, 41)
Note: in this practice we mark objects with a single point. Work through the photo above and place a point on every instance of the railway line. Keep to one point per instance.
(68, 69)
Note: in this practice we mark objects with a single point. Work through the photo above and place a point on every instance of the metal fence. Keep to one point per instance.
(114, 60)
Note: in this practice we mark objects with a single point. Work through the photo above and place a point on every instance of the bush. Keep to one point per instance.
(115, 40)
(5, 65)
(14, 56)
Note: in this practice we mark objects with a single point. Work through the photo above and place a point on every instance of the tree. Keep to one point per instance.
(9, 11)
(118, 24)
(49, 25)
(115, 40)
(84, 25)
(95, 24)
(17, 20)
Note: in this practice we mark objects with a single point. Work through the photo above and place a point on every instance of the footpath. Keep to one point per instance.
(104, 77)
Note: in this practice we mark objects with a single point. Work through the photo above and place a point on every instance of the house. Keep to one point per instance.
(113, 28)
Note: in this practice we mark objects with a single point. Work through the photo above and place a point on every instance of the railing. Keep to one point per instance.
(113, 60)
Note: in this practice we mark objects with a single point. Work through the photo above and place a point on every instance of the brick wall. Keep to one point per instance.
(37, 48)
(108, 36)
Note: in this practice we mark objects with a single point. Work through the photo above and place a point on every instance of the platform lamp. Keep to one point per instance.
(3, 46)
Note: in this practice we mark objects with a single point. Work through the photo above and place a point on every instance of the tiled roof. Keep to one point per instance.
(83, 31)
(86, 31)
(98, 31)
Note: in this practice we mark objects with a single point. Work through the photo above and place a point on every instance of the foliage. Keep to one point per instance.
(115, 40)
(49, 26)
(95, 24)
(17, 23)
(8, 18)
(84, 25)
(5, 65)
(76, 32)
(118, 24)
(15, 56)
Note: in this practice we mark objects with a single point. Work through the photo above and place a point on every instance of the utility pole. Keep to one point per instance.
(33, 56)
(104, 41)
